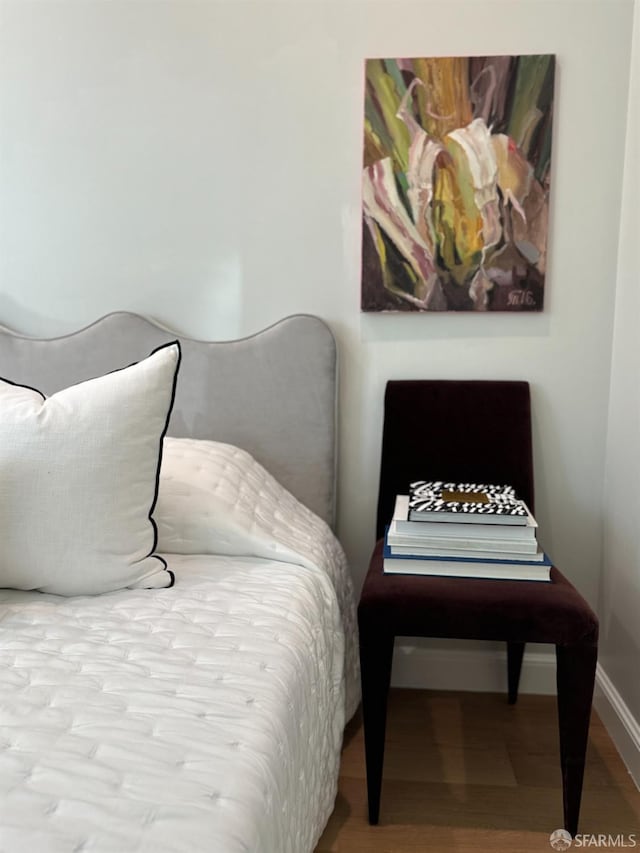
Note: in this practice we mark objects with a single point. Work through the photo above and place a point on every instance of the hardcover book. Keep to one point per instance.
(466, 567)
(439, 540)
(465, 502)
(459, 528)
(436, 549)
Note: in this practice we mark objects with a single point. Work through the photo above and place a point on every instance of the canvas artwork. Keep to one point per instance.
(455, 200)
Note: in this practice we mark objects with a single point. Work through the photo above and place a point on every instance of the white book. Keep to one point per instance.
(464, 567)
(439, 542)
(461, 529)
(448, 552)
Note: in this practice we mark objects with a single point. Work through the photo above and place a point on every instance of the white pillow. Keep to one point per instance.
(79, 478)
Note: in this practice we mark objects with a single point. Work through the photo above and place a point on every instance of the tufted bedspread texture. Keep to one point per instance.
(207, 717)
(215, 498)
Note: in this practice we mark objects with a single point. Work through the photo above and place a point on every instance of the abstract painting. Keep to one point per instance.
(455, 199)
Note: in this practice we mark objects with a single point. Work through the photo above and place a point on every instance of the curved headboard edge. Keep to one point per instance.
(273, 392)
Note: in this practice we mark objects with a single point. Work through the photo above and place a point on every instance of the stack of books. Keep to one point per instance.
(464, 530)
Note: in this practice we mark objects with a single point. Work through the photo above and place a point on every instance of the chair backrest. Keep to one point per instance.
(457, 431)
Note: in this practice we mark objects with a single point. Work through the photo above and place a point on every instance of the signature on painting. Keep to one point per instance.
(521, 298)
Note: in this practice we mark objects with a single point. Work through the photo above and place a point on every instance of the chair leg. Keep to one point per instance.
(376, 652)
(515, 652)
(576, 669)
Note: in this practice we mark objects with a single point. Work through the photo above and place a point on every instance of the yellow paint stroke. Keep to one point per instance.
(456, 218)
(443, 100)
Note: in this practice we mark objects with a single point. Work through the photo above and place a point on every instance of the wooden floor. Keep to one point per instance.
(467, 773)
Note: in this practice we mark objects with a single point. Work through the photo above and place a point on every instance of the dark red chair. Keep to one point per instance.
(470, 431)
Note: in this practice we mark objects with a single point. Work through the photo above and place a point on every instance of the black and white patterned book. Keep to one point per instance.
(434, 500)
(457, 528)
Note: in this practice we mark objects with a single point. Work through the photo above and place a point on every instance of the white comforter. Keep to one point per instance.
(205, 717)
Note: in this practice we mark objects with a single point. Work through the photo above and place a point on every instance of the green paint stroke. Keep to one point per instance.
(528, 94)
(384, 94)
(544, 162)
(394, 72)
(375, 124)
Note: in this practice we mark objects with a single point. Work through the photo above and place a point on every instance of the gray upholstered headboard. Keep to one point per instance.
(273, 393)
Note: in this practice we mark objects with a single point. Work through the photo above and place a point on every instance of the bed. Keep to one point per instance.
(201, 707)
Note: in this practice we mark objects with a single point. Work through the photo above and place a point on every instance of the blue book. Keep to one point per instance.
(466, 567)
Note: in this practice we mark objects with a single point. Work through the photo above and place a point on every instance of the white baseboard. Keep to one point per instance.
(485, 670)
(477, 669)
(620, 723)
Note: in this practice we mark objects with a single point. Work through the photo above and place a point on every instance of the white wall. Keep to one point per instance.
(620, 593)
(200, 162)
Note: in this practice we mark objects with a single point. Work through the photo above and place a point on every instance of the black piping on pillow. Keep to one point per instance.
(160, 448)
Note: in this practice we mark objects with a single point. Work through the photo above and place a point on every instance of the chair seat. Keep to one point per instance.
(476, 609)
